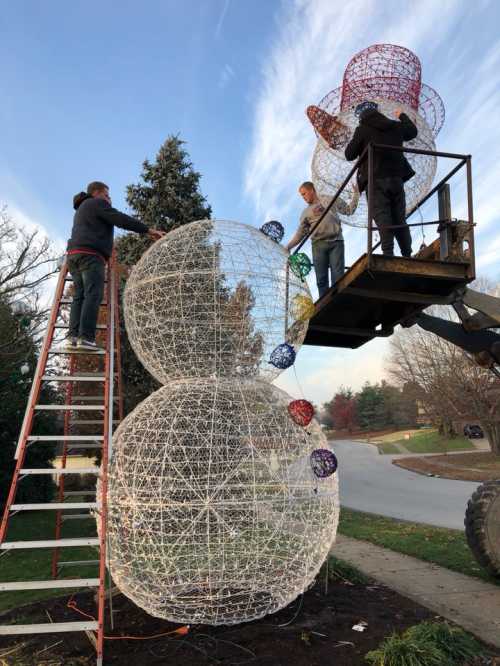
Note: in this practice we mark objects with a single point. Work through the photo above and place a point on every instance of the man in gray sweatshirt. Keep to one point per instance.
(327, 240)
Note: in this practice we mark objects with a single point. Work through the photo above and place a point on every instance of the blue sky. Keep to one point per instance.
(89, 92)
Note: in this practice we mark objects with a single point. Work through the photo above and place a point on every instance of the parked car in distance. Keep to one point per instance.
(473, 431)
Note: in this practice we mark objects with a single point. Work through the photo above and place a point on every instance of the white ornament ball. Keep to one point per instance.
(215, 514)
(212, 298)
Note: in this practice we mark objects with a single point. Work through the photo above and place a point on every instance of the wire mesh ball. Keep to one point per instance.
(301, 411)
(300, 265)
(330, 168)
(283, 356)
(324, 463)
(215, 515)
(302, 308)
(274, 230)
(212, 298)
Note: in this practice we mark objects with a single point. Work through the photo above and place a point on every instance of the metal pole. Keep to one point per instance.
(287, 297)
(106, 450)
(470, 210)
(369, 194)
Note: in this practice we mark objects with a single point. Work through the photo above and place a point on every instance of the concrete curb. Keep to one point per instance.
(471, 603)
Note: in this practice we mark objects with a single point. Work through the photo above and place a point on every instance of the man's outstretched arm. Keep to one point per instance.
(110, 215)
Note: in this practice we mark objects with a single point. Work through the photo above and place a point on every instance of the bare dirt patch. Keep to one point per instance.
(475, 466)
(312, 631)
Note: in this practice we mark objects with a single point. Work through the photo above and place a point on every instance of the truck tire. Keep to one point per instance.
(482, 526)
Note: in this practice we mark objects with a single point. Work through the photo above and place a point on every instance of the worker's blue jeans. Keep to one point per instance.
(88, 273)
(327, 255)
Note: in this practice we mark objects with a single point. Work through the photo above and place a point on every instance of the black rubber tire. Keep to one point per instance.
(482, 526)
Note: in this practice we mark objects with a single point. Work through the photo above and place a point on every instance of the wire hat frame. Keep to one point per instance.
(391, 77)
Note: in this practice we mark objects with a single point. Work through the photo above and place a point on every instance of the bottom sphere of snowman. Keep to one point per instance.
(215, 514)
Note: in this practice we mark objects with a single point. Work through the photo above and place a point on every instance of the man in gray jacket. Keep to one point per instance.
(327, 240)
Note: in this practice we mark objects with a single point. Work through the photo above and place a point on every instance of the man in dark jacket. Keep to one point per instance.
(391, 170)
(89, 249)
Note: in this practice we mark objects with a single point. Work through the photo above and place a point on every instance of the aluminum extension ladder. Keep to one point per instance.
(105, 403)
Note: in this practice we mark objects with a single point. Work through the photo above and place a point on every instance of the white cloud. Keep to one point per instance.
(221, 19)
(23, 219)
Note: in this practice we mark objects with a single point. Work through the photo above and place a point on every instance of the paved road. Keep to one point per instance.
(370, 482)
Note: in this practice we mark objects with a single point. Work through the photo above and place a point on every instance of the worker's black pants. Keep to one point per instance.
(87, 272)
(389, 209)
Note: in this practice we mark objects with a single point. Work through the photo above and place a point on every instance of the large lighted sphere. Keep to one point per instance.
(214, 513)
(212, 298)
(330, 168)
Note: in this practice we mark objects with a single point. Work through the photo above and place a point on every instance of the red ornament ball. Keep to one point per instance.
(301, 412)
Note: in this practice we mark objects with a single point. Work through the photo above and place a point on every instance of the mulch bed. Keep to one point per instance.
(313, 631)
(475, 466)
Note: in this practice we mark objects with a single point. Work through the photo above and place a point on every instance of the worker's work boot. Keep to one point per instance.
(88, 345)
(70, 343)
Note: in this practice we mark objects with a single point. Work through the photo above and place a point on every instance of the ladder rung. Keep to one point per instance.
(77, 563)
(69, 493)
(99, 326)
(47, 506)
(65, 438)
(49, 584)
(76, 408)
(89, 398)
(65, 470)
(77, 351)
(72, 378)
(72, 447)
(77, 516)
(52, 543)
(48, 628)
(91, 422)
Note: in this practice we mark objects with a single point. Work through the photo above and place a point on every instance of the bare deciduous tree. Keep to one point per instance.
(26, 261)
(447, 381)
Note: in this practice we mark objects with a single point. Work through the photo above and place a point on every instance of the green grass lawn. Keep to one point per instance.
(439, 545)
(36, 564)
(387, 447)
(432, 442)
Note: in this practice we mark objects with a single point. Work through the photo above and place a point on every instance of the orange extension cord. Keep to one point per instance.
(181, 631)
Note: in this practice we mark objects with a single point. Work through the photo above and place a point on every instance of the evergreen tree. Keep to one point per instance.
(370, 407)
(17, 366)
(167, 196)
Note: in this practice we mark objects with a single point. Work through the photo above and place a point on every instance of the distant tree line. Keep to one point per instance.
(375, 407)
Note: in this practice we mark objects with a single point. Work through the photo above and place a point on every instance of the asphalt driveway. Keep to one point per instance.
(370, 482)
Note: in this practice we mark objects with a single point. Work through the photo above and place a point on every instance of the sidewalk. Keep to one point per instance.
(470, 602)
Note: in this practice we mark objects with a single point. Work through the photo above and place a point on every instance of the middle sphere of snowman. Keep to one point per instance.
(213, 298)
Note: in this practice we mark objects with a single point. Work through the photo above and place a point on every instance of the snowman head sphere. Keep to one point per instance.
(212, 298)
